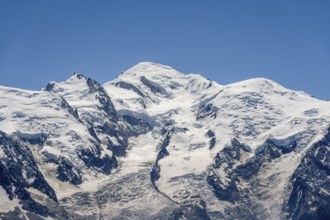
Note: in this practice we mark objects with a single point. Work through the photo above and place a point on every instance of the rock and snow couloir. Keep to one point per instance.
(182, 144)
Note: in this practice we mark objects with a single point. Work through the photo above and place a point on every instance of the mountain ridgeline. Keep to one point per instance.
(155, 143)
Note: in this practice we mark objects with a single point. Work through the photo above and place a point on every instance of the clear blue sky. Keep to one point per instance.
(225, 40)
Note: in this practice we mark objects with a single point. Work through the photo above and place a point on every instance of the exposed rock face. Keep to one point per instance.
(21, 178)
(310, 183)
(158, 144)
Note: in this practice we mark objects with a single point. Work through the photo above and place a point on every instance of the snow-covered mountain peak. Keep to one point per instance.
(150, 70)
(262, 85)
(262, 107)
(76, 81)
(160, 78)
(149, 84)
(257, 82)
(266, 88)
(79, 76)
(182, 143)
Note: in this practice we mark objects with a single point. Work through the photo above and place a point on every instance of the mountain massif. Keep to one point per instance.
(155, 143)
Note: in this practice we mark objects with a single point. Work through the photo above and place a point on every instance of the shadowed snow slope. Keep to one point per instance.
(182, 144)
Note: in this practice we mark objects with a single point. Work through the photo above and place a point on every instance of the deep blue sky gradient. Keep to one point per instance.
(224, 40)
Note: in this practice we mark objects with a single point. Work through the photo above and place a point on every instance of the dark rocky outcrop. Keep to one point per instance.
(129, 86)
(153, 86)
(227, 158)
(212, 137)
(155, 173)
(191, 211)
(207, 110)
(19, 172)
(310, 193)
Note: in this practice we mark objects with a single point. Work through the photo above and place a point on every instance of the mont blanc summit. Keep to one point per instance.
(155, 143)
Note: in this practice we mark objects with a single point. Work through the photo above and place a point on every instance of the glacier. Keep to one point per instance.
(155, 143)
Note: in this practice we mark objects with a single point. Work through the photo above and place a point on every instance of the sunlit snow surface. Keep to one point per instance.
(202, 118)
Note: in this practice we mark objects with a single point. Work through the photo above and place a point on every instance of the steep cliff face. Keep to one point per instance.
(155, 143)
(22, 181)
(309, 197)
